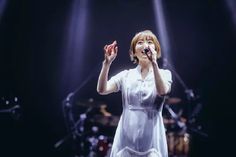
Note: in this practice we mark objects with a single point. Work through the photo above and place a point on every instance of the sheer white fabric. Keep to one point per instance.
(140, 131)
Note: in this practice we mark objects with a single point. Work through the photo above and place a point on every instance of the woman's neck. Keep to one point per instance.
(145, 66)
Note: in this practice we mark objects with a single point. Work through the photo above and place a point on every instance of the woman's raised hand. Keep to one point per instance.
(110, 52)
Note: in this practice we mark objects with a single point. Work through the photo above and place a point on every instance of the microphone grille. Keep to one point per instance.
(146, 50)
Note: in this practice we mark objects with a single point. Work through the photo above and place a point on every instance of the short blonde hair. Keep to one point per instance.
(145, 33)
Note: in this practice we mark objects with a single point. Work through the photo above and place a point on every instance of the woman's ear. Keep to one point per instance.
(131, 54)
(133, 58)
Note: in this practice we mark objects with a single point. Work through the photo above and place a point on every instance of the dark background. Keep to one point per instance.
(33, 37)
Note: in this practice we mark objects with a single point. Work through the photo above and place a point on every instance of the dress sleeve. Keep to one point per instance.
(118, 80)
(167, 78)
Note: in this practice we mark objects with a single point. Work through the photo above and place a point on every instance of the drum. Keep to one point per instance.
(103, 146)
(100, 146)
(178, 144)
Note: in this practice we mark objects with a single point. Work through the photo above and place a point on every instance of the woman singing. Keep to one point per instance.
(140, 131)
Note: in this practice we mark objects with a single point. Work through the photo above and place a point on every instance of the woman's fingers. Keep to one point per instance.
(111, 48)
(105, 48)
(114, 43)
(110, 51)
(114, 47)
(152, 56)
(153, 51)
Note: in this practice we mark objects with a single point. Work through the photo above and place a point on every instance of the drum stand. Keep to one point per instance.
(76, 129)
(73, 125)
(176, 118)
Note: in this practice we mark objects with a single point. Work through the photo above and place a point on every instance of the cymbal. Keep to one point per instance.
(168, 121)
(104, 111)
(90, 103)
(109, 121)
(173, 100)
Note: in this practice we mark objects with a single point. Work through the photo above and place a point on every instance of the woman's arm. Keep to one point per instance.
(161, 87)
(103, 87)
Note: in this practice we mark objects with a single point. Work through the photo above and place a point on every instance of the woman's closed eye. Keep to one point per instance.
(140, 42)
(150, 42)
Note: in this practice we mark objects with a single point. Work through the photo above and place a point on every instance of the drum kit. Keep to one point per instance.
(95, 128)
(92, 131)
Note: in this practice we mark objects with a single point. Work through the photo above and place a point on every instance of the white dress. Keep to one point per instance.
(140, 131)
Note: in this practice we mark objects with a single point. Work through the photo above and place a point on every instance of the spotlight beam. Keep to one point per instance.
(161, 28)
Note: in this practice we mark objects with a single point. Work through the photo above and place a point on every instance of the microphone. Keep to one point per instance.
(146, 50)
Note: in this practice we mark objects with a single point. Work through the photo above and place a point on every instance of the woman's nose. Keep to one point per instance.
(145, 45)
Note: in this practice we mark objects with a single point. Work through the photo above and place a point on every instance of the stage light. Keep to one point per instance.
(231, 5)
(73, 57)
(3, 4)
(162, 29)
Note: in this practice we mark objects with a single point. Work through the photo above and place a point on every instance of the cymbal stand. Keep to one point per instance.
(189, 92)
(190, 97)
(14, 111)
(71, 123)
(10, 110)
(74, 132)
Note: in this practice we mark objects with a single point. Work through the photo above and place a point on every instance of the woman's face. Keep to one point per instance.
(144, 42)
